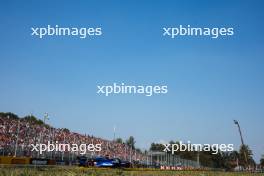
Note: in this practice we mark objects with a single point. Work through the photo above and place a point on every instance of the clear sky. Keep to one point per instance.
(210, 81)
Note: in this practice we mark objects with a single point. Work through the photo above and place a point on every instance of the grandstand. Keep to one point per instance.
(17, 135)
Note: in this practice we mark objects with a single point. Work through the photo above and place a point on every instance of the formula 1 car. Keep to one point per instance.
(104, 162)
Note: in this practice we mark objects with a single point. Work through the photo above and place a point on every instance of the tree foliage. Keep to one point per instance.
(225, 160)
(245, 156)
(9, 115)
(33, 119)
(131, 142)
(262, 162)
(119, 140)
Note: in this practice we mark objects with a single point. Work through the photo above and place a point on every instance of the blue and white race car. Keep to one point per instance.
(103, 162)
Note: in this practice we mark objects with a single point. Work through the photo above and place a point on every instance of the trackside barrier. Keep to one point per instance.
(170, 168)
(14, 160)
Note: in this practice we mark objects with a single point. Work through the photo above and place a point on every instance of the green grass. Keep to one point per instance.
(76, 171)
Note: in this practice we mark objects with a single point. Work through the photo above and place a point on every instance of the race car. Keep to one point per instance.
(104, 162)
(114, 163)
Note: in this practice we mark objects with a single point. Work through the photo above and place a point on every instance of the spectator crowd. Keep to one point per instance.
(17, 135)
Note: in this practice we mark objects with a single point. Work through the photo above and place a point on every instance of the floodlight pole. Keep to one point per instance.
(198, 158)
(114, 139)
(241, 138)
(46, 117)
(240, 133)
(114, 132)
(17, 137)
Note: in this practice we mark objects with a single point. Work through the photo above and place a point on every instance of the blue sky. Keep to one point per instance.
(210, 81)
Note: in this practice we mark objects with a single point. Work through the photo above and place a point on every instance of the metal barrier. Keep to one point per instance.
(150, 159)
(157, 159)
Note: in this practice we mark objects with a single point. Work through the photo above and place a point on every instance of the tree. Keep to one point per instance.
(245, 156)
(33, 119)
(131, 142)
(156, 147)
(262, 161)
(119, 140)
(66, 130)
(9, 115)
(138, 150)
